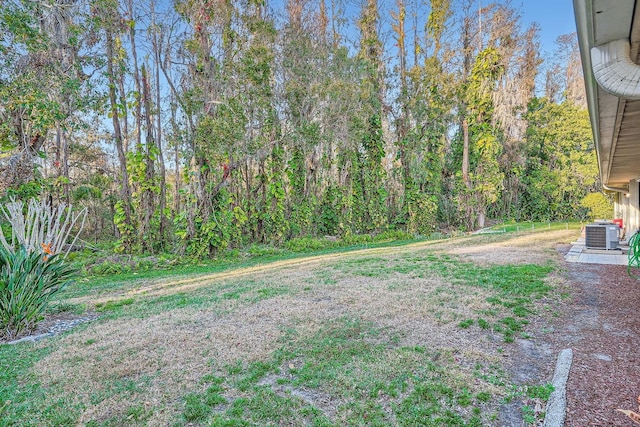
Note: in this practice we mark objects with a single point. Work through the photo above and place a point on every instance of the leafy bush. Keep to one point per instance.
(263, 250)
(422, 210)
(303, 244)
(357, 239)
(437, 235)
(44, 229)
(32, 267)
(391, 235)
(28, 280)
(108, 268)
(385, 236)
(124, 264)
(598, 205)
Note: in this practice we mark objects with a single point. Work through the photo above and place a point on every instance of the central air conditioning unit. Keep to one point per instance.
(601, 236)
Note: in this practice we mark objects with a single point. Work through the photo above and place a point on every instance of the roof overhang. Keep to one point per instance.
(615, 114)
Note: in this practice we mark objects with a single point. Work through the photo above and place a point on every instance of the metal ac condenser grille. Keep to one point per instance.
(596, 236)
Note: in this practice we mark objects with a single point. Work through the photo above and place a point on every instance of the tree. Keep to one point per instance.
(279, 125)
(107, 19)
(561, 168)
(41, 87)
(564, 76)
(371, 192)
(498, 70)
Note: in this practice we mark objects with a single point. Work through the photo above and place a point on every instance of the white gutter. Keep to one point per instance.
(614, 70)
(615, 189)
(584, 26)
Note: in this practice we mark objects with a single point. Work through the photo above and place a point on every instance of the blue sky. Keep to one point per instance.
(554, 16)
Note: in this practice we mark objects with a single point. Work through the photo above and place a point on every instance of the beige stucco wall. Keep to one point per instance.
(627, 207)
(620, 206)
(632, 219)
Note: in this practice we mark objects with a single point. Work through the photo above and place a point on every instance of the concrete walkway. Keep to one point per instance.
(578, 253)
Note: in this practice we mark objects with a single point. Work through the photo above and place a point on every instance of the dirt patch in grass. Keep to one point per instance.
(152, 361)
(325, 402)
(532, 248)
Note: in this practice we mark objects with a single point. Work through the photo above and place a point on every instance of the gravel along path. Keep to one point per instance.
(55, 327)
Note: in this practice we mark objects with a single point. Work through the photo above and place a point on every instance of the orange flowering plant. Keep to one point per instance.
(32, 267)
(46, 248)
(28, 281)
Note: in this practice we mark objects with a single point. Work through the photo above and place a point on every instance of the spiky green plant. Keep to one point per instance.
(44, 228)
(28, 280)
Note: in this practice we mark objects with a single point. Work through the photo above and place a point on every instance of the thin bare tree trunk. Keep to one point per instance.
(125, 113)
(161, 167)
(136, 75)
(147, 198)
(465, 153)
(403, 122)
(176, 153)
(125, 192)
(65, 167)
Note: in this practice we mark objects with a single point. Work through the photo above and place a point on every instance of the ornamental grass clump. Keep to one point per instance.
(32, 267)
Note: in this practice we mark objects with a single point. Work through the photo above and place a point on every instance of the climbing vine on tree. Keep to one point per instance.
(215, 125)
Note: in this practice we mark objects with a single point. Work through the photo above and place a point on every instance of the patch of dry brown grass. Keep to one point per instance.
(177, 348)
(534, 248)
(151, 288)
(168, 353)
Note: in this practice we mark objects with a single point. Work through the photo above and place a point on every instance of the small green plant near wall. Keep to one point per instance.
(32, 267)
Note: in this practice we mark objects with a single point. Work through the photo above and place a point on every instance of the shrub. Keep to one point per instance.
(599, 206)
(263, 250)
(32, 267)
(422, 210)
(28, 280)
(357, 239)
(391, 235)
(304, 244)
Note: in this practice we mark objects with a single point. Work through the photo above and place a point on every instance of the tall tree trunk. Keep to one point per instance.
(136, 73)
(58, 157)
(176, 154)
(125, 112)
(481, 218)
(65, 167)
(161, 167)
(324, 22)
(125, 192)
(147, 199)
(403, 121)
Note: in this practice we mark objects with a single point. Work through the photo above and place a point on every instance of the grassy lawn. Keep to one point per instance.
(411, 334)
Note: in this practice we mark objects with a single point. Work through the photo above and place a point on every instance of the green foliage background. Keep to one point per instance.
(266, 130)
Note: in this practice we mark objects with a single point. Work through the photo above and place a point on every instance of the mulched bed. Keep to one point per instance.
(600, 324)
